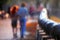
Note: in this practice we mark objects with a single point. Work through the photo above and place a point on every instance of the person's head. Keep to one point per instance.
(14, 8)
(23, 4)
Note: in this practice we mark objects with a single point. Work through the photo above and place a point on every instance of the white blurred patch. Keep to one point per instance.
(31, 21)
(0, 12)
(7, 15)
(27, 33)
(43, 14)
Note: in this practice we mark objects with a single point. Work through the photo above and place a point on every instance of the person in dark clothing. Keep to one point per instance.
(14, 21)
(51, 27)
(32, 10)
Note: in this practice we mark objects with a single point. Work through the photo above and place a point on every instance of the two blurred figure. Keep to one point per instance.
(19, 14)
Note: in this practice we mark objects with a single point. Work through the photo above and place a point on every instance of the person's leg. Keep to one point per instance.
(13, 32)
(14, 26)
(23, 27)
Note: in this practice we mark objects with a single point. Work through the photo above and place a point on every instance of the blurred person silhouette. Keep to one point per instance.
(22, 12)
(39, 8)
(14, 21)
(32, 10)
(2, 14)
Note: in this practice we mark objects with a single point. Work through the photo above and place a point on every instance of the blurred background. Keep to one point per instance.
(53, 7)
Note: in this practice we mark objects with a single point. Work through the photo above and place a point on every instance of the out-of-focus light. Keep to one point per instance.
(7, 15)
(0, 12)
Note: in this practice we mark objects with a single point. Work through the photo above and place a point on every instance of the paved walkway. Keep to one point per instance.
(6, 30)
